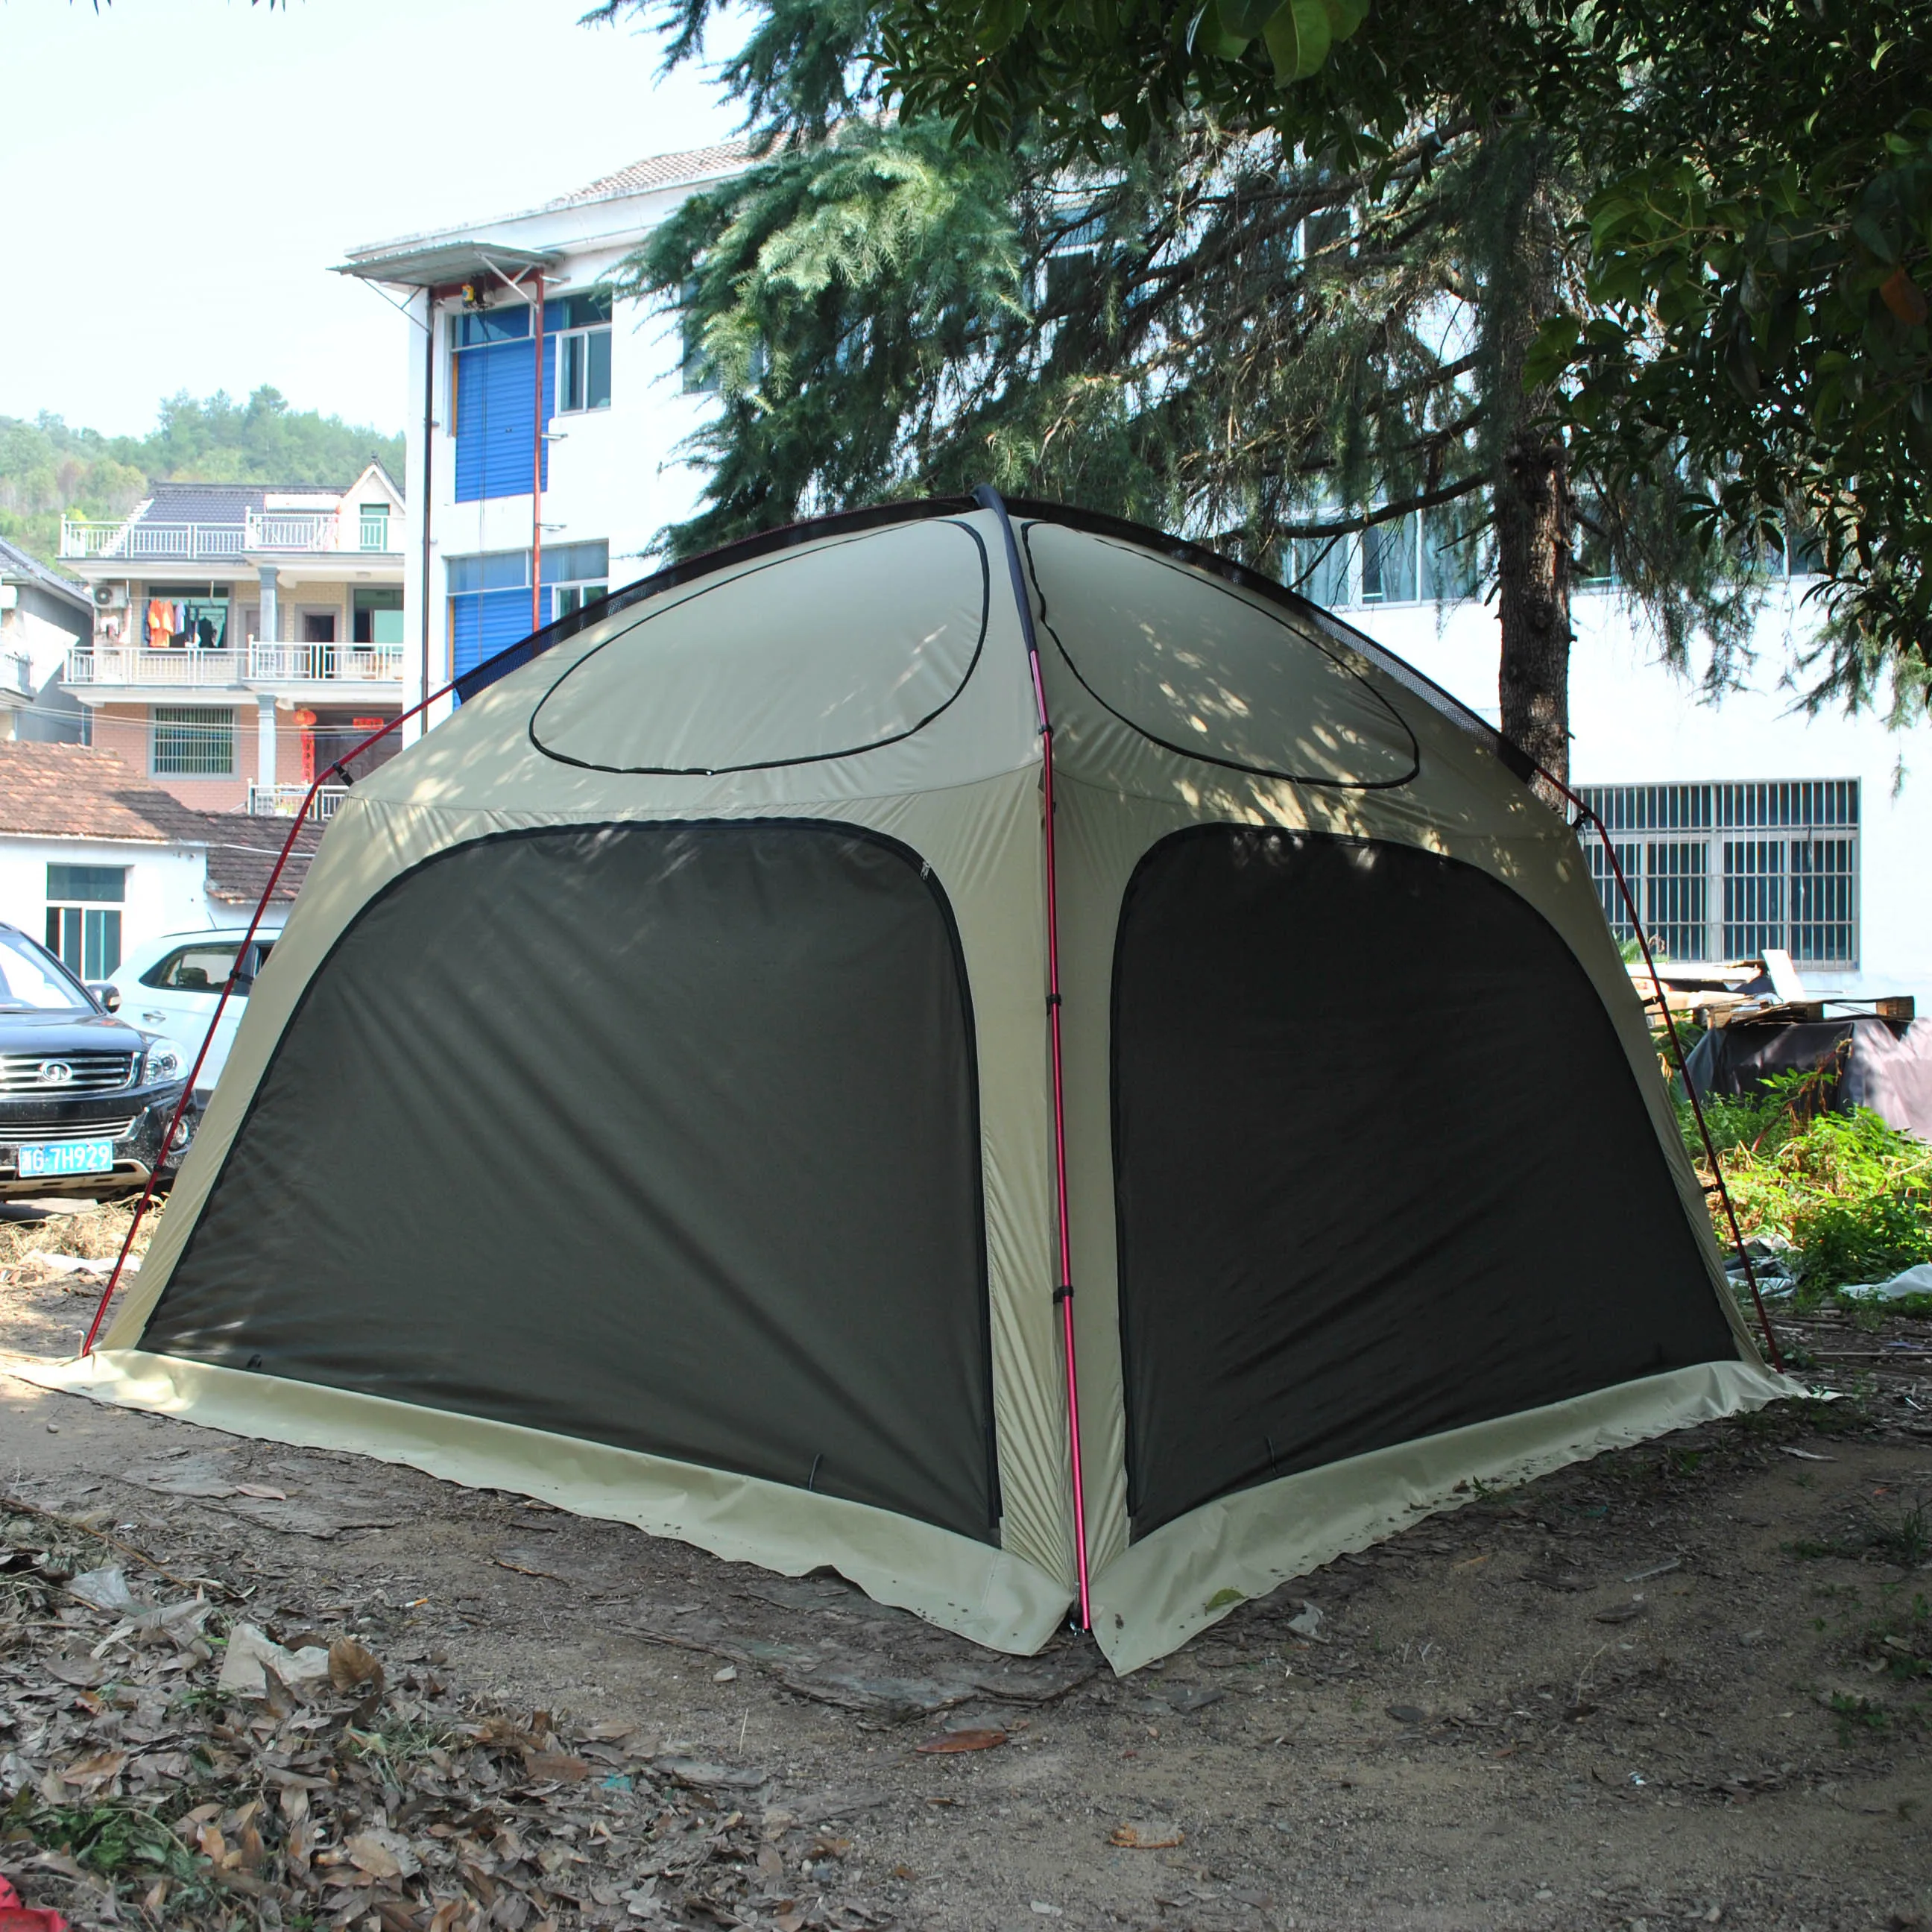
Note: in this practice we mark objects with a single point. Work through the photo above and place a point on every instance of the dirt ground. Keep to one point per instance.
(1689, 1683)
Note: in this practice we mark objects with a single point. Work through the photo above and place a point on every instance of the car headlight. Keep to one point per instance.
(163, 1060)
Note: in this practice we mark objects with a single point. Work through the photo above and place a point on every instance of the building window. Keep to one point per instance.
(1730, 871)
(577, 574)
(1423, 557)
(696, 373)
(376, 616)
(194, 741)
(84, 917)
(191, 616)
(583, 351)
(375, 522)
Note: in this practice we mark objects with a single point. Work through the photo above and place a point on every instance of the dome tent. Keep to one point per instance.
(694, 1073)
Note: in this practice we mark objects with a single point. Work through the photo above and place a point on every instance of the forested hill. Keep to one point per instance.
(47, 469)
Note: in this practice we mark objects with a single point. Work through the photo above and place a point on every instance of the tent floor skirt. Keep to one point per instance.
(985, 1593)
(1190, 1572)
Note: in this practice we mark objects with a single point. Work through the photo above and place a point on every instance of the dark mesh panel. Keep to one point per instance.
(1383, 1168)
(666, 1136)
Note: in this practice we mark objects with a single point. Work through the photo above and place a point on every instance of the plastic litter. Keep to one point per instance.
(1912, 1281)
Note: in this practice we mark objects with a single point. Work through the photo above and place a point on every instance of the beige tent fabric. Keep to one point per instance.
(993, 1596)
(891, 662)
(1192, 1572)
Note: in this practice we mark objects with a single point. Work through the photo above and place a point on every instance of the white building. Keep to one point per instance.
(619, 397)
(43, 616)
(243, 637)
(1741, 826)
(95, 860)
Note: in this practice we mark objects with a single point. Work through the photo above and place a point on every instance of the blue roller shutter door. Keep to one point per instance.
(484, 623)
(493, 429)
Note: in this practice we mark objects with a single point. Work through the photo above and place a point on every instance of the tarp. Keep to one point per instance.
(1886, 1065)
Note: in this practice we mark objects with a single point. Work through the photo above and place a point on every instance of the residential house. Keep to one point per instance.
(95, 859)
(1741, 825)
(244, 637)
(491, 557)
(43, 616)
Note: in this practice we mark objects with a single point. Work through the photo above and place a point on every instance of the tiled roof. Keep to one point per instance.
(242, 852)
(73, 791)
(655, 171)
(15, 563)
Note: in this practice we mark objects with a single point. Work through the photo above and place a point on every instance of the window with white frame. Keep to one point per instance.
(583, 351)
(84, 917)
(1727, 871)
(577, 574)
(1425, 557)
(193, 741)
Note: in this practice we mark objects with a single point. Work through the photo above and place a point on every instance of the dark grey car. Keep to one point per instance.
(85, 1099)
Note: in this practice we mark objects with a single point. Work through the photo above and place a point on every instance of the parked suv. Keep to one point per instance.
(173, 986)
(84, 1098)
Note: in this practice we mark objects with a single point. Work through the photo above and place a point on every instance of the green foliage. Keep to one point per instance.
(1758, 270)
(113, 1838)
(1853, 1195)
(1748, 352)
(48, 470)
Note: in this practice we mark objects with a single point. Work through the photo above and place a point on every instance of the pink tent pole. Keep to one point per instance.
(1063, 1293)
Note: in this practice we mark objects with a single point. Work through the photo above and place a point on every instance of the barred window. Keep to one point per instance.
(1730, 871)
(193, 741)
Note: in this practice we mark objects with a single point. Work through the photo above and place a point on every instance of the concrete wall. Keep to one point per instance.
(126, 730)
(167, 885)
(613, 473)
(1635, 722)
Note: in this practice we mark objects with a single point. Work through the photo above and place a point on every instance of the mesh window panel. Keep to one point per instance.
(665, 1136)
(1367, 1106)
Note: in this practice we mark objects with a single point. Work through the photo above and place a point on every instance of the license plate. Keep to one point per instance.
(50, 1158)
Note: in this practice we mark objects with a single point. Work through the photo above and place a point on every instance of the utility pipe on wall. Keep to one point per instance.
(536, 472)
(428, 450)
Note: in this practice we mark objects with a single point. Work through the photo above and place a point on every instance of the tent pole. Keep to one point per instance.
(989, 498)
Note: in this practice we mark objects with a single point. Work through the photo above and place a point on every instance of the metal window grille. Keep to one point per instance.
(1677, 896)
(194, 741)
(1786, 875)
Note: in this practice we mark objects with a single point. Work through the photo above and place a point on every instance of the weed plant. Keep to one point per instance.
(1851, 1195)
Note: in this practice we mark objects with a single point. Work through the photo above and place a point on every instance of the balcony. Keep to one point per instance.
(354, 670)
(285, 801)
(271, 533)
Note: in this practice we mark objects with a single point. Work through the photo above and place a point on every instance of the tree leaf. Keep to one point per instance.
(1298, 36)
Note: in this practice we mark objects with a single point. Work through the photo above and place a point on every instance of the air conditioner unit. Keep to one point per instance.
(110, 596)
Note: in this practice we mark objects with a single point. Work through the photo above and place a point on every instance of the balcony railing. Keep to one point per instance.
(17, 673)
(296, 531)
(285, 801)
(319, 664)
(141, 542)
(259, 663)
(118, 665)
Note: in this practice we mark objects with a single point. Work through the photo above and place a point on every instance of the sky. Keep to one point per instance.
(178, 177)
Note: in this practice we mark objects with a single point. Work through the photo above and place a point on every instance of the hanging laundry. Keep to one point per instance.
(160, 622)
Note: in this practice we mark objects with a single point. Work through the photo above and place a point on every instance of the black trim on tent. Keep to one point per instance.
(1194, 751)
(664, 1135)
(629, 635)
(1382, 1168)
(789, 535)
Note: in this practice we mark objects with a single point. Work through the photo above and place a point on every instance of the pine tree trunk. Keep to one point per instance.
(1533, 597)
(1531, 485)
